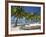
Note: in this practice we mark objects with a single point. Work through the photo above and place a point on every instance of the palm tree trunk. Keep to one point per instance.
(16, 22)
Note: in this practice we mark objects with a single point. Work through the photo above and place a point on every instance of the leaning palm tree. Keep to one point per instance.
(18, 12)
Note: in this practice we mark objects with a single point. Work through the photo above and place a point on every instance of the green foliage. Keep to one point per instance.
(18, 11)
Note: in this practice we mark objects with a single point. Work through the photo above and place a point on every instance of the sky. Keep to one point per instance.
(32, 9)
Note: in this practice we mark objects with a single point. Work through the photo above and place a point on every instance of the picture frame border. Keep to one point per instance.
(6, 18)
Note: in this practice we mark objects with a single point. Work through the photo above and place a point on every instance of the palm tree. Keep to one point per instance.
(18, 12)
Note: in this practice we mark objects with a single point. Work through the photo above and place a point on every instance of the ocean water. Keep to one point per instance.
(23, 21)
